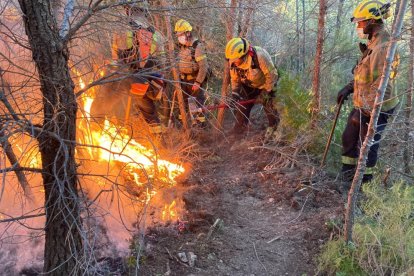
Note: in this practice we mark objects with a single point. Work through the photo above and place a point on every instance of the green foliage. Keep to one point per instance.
(339, 259)
(295, 103)
(383, 236)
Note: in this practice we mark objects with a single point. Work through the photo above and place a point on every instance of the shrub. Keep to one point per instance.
(383, 236)
(294, 104)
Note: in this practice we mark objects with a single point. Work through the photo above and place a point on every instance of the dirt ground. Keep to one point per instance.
(250, 209)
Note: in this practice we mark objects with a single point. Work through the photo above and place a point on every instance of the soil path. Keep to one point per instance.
(242, 220)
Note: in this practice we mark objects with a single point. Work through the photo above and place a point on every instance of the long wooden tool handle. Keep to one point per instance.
(328, 144)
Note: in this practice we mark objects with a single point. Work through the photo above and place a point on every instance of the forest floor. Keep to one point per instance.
(248, 211)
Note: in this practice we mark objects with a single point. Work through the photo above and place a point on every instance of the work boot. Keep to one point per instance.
(367, 178)
(348, 172)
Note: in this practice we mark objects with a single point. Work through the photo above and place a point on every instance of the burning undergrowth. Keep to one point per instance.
(133, 167)
(128, 181)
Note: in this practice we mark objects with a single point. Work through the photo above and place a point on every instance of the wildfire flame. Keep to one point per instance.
(169, 211)
(118, 146)
(114, 145)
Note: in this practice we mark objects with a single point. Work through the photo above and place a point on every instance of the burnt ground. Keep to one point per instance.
(250, 209)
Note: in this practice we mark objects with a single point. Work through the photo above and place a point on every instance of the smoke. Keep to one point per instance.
(21, 241)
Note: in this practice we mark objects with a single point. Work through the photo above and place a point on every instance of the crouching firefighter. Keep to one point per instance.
(253, 76)
(368, 16)
(141, 49)
(193, 67)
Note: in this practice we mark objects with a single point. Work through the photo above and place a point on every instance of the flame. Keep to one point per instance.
(29, 153)
(81, 83)
(169, 211)
(114, 145)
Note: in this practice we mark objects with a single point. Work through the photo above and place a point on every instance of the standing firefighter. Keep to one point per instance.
(141, 49)
(368, 16)
(253, 75)
(193, 66)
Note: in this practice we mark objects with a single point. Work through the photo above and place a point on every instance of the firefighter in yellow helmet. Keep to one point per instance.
(253, 76)
(140, 48)
(369, 18)
(193, 66)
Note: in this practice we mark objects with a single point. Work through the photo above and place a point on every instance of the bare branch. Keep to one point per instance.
(67, 14)
(22, 217)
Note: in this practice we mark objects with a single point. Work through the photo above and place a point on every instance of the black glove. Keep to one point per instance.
(235, 98)
(362, 47)
(344, 93)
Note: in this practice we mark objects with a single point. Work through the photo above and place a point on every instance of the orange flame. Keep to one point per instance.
(113, 144)
(116, 145)
(169, 211)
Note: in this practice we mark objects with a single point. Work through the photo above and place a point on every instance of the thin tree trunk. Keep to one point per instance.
(304, 36)
(409, 100)
(356, 183)
(176, 76)
(318, 61)
(339, 17)
(239, 16)
(63, 240)
(226, 71)
(247, 22)
(298, 64)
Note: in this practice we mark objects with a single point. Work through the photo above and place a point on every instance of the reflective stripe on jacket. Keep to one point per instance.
(367, 74)
(262, 75)
(198, 67)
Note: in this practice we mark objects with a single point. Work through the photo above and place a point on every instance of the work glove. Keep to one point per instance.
(235, 98)
(344, 93)
(362, 47)
(195, 87)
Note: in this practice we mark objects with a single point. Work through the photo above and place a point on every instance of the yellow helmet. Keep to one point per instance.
(237, 47)
(371, 9)
(182, 26)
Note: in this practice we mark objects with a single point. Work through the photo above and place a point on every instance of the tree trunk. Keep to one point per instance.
(298, 63)
(339, 17)
(176, 76)
(248, 19)
(226, 70)
(409, 99)
(239, 16)
(356, 183)
(318, 61)
(304, 36)
(63, 240)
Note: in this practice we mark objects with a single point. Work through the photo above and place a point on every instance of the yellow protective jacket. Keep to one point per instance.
(193, 62)
(367, 74)
(262, 75)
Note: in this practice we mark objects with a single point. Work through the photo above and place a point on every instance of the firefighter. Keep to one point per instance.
(193, 67)
(368, 16)
(253, 76)
(141, 49)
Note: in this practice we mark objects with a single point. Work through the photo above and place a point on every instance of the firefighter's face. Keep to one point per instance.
(362, 24)
(182, 39)
(239, 61)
